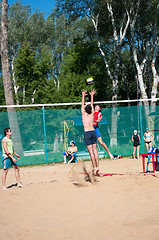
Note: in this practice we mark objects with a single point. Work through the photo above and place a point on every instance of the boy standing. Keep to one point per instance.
(90, 136)
(8, 159)
(97, 119)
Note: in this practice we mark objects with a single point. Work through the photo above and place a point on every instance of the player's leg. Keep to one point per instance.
(92, 156)
(150, 144)
(90, 139)
(17, 175)
(105, 147)
(147, 146)
(73, 157)
(134, 150)
(4, 176)
(96, 158)
(138, 150)
(64, 156)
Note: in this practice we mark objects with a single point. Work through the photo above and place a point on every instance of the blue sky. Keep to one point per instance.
(45, 6)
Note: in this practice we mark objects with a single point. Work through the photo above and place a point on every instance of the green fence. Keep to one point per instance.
(41, 136)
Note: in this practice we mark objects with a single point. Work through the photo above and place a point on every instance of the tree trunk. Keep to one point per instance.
(12, 116)
(114, 77)
(155, 74)
(14, 83)
(56, 143)
(113, 134)
(125, 83)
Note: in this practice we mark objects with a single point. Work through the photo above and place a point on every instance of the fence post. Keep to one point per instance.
(44, 133)
(141, 127)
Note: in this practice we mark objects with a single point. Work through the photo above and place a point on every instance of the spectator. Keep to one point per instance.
(70, 153)
(148, 138)
(136, 143)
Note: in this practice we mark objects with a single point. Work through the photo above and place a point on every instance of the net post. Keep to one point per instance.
(142, 140)
(44, 133)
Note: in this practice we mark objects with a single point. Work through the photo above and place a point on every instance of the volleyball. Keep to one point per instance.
(89, 80)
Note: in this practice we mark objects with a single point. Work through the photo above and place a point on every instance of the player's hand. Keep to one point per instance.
(93, 91)
(84, 93)
(14, 160)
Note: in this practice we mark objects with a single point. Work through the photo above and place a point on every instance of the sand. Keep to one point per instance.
(59, 202)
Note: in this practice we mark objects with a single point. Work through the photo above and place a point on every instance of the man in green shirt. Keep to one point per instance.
(8, 159)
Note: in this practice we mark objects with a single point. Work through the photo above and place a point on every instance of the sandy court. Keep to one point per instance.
(57, 203)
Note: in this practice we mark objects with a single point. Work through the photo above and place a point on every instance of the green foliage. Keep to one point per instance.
(39, 31)
(26, 72)
(54, 56)
(32, 73)
(79, 64)
(24, 26)
(18, 16)
(127, 86)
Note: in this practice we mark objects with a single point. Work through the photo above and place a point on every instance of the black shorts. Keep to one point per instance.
(90, 137)
(148, 142)
(136, 144)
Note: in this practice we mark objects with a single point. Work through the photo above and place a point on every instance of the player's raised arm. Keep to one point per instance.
(83, 100)
(92, 95)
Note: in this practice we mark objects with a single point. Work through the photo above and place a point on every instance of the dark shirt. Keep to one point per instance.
(136, 140)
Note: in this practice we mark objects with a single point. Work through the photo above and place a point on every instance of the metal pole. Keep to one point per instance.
(44, 133)
(141, 127)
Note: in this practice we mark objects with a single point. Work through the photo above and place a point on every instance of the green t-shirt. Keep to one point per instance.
(9, 146)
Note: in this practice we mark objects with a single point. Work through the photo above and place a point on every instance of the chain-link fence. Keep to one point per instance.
(41, 136)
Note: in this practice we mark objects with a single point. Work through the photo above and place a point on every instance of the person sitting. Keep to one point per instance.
(70, 153)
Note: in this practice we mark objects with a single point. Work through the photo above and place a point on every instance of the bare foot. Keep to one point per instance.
(111, 156)
(20, 185)
(4, 188)
(96, 171)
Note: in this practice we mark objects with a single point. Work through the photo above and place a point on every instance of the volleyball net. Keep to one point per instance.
(41, 136)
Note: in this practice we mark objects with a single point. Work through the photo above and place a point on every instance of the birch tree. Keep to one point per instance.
(93, 10)
(144, 44)
(144, 47)
(139, 66)
(155, 73)
(154, 58)
(17, 31)
(13, 121)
